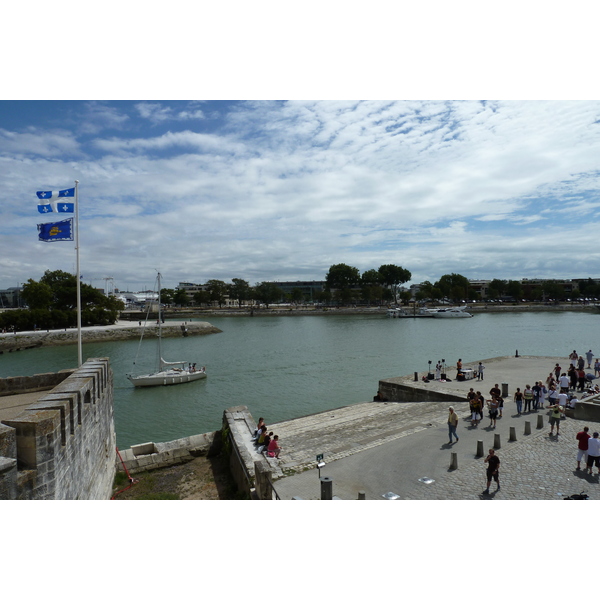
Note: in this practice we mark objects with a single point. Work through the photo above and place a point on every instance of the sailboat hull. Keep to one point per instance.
(170, 377)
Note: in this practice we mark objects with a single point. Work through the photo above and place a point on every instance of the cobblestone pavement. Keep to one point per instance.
(378, 447)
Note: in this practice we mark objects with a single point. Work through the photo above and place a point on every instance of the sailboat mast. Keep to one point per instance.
(159, 329)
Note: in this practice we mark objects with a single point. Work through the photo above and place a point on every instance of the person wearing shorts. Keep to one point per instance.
(493, 463)
(555, 419)
(593, 453)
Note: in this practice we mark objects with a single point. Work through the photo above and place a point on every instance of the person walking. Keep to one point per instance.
(493, 407)
(528, 397)
(493, 467)
(564, 383)
(557, 372)
(536, 389)
(555, 419)
(589, 355)
(519, 400)
(452, 423)
(597, 368)
(582, 446)
(475, 406)
(593, 453)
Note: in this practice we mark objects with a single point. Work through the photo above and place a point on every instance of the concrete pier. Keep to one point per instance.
(402, 446)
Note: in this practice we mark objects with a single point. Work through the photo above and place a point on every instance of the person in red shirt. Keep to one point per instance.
(582, 438)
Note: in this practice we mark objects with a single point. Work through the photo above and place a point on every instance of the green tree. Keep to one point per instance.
(514, 289)
(37, 295)
(296, 295)
(180, 297)
(393, 276)
(342, 277)
(454, 286)
(201, 297)
(267, 292)
(497, 288)
(239, 290)
(218, 291)
(167, 295)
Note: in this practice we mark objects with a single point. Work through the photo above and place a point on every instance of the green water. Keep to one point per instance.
(286, 367)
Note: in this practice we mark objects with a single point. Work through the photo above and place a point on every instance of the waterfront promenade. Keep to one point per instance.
(389, 447)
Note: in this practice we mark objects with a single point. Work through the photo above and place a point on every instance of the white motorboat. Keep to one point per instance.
(167, 373)
(450, 313)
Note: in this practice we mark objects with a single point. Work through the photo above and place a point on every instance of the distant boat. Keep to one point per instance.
(450, 313)
(167, 373)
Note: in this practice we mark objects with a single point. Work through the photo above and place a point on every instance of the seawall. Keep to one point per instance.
(111, 333)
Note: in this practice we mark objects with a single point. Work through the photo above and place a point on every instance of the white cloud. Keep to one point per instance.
(284, 190)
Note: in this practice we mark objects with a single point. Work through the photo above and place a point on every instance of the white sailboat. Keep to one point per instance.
(167, 373)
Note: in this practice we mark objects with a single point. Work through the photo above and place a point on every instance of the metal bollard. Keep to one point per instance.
(453, 461)
(326, 488)
(505, 390)
(540, 424)
(497, 443)
(512, 434)
(479, 449)
(416, 376)
(527, 427)
(362, 495)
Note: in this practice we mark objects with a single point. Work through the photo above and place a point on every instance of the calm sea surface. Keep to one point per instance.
(286, 367)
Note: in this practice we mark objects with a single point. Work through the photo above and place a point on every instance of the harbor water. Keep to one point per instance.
(285, 367)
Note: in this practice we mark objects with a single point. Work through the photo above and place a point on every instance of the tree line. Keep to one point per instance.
(52, 304)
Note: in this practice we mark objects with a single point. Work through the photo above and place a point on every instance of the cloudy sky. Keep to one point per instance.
(281, 190)
(262, 189)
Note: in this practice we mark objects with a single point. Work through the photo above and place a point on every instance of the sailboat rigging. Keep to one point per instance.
(167, 373)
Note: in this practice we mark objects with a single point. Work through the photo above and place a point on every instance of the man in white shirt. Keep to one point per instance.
(593, 453)
(564, 382)
(562, 402)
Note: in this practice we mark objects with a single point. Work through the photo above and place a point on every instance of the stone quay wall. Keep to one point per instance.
(155, 455)
(252, 472)
(396, 390)
(63, 446)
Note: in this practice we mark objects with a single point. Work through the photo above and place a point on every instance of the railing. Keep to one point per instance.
(273, 490)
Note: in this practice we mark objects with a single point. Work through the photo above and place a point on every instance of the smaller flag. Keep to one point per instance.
(56, 232)
(56, 201)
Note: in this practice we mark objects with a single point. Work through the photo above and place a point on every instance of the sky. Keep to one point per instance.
(465, 155)
(281, 190)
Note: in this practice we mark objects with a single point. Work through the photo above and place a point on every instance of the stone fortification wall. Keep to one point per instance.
(33, 383)
(63, 446)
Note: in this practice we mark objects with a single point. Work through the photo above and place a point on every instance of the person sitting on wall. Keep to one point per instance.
(274, 449)
(378, 397)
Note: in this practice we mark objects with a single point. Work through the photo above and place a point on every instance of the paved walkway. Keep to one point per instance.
(380, 448)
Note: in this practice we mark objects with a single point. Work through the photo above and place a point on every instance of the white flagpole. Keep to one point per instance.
(79, 350)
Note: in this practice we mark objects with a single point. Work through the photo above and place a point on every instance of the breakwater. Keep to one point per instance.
(115, 333)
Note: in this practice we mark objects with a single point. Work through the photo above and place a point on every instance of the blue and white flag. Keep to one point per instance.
(56, 201)
(56, 232)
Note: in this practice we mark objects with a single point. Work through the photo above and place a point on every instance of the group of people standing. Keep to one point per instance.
(266, 442)
(477, 403)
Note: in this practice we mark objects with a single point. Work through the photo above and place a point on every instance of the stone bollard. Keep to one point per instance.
(505, 390)
(497, 443)
(527, 427)
(362, 495)
(512, 435)
(416, 376)
(326, 488)
(540, 424)
(453, 461)
(479, 449)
